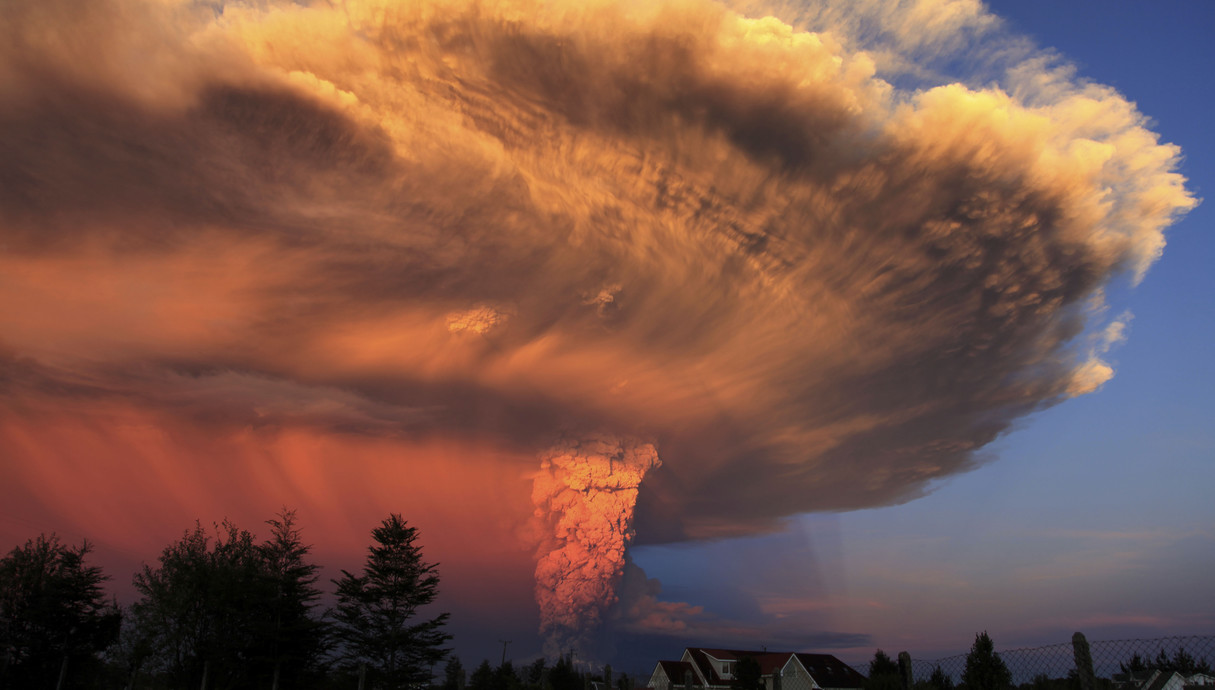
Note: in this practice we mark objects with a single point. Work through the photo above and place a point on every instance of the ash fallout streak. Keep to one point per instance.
(650, 229)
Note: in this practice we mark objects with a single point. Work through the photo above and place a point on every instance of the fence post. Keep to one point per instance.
(1084, 661)
(905, 670)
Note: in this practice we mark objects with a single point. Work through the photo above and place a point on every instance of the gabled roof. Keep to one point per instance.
(705, 667)
(723, 654)
(1160, 679)
(675, 671)
(771, 662)
(830, 672)
(827, 671)
(768, 661)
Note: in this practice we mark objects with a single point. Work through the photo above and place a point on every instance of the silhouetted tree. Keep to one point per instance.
(747, 675)
(535, 674)
(939, 680)
(130, 653)
(985, 670)
(453, 674)
(53, 617)
(1162, 662)
(505, 677)
(1135, 666)
(883, 673)
(377, 614)
(482, 677)
(563, 675)
(1040, 681)
(1181, 661)
(1071, 681)
(206, 607)
(1202, 666)
(296, 638)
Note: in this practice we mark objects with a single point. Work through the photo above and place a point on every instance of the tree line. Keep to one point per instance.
(537, 675)
(1182, 662)
(221, 610)
(986, 670)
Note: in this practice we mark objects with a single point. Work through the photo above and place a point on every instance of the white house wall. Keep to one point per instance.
(659, 680)
(794, 676)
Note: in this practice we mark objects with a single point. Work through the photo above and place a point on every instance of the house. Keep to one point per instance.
(1161, 680)
(1164, 680)
(674, 674)
(703, 668)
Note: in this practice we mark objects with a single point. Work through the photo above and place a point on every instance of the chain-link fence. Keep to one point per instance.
(1115, 665)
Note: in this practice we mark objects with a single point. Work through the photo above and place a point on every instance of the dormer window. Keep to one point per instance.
(727, 668)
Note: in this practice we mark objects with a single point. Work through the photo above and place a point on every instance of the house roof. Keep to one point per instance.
(771, 662)
(705, 667)
(1160, 679)
(675, 671)
(829, 671)
(768, 661)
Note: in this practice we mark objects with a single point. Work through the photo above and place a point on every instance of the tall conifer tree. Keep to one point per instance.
(985, 670)
(378, 618)
(296, 637)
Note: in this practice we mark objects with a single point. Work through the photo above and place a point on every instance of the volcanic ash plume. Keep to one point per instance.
(825, 277)
(584, 494)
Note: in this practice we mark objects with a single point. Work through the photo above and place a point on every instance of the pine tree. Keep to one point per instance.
(883, 673)
(505, 677)
(563, 675)
(1135, 667)
(296, 637)
(378, 617)
(53, 616)
(1163, 663)
(453, 674)
(482, 677)
(537, 672)
(939, 680)
(985, 670)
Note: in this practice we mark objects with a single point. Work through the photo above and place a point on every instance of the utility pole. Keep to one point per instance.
(504, 643)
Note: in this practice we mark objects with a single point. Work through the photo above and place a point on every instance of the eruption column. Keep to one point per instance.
(584, 493)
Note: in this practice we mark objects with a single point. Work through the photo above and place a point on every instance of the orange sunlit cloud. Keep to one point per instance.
(373, 256)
